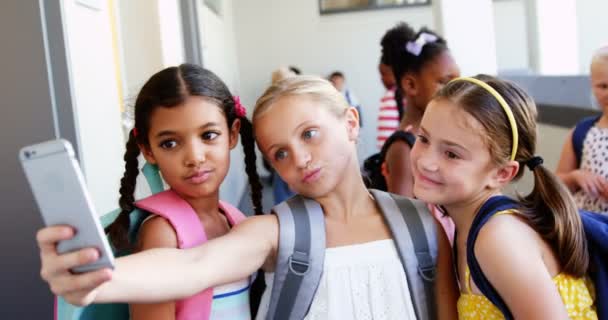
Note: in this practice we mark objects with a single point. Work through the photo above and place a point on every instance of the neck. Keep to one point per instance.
(463, 213)
(411, 117)
(603, 121)
(350, 197)
(204, 206)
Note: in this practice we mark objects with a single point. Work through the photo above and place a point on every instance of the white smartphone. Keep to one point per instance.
(60, 191)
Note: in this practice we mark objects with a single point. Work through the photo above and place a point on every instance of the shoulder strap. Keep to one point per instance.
(300, 258)
(578, 136)
(234, 215)
(414, 232)
(487, 211)
(180, 215)
(596, 233)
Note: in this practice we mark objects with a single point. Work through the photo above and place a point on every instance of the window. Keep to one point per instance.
(339, 6)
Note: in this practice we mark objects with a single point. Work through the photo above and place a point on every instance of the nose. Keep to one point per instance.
(427, 161)
(194, 154)
(302, 158)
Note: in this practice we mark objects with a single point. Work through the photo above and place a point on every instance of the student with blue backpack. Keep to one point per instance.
(186, 123)
(335, 251)
(583, 165)
(524, 258)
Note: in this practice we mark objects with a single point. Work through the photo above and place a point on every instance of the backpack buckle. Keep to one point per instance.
(298, 263)
(426, 267)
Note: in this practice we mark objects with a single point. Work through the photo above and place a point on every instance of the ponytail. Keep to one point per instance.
(118, 231)
(248, 143)
(551, 211)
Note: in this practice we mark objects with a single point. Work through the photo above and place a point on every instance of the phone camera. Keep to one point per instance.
(27, 154)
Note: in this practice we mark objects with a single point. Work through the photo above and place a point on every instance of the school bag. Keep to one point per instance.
(579, 134)
(190, 233)
(596, 233)
(372, 166)
(301, 253)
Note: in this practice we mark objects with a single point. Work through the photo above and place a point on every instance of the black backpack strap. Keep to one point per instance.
(487, 211)
(300, 258)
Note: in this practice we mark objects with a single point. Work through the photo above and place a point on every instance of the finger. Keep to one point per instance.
(48, 237)
(54, 265)
(80, 284)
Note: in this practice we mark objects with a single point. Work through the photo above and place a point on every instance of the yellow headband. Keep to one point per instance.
(503, 104)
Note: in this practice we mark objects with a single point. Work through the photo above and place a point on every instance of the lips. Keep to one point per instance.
(312, 176)
(427, 181)
(199, 177)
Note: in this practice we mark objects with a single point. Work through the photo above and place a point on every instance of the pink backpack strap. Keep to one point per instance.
(234, 215)
(190, 233)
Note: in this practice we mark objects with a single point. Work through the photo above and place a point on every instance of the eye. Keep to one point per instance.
(309, 134)
(280, 155)
(209, 135)
(603, 86)
(168, 144)
(451, 155)
(422, 139)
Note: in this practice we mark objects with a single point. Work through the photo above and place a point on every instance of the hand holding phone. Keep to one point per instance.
(60, 192)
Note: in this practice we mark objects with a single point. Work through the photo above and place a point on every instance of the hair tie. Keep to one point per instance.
(505, 107)
(415, 47)
(534, 162)
(241, 112)
(134, 131)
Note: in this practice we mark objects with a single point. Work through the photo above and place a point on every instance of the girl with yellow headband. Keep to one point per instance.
(476, 136)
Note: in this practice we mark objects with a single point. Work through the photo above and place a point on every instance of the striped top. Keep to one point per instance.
(388, 117)
(231, 301)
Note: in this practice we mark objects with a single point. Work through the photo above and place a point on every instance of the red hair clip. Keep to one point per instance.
(241, 112)
(134, 132)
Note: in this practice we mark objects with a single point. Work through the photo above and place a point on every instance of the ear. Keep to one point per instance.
(409, 85)
(352, 123)
(148, 155)
(234, 133)
(504, 174)
(384, 170)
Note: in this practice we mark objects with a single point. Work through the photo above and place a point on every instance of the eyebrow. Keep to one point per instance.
(303, 124)
(165, 133)
(446, 142)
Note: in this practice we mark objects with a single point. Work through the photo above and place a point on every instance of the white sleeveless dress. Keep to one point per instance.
(359, 282)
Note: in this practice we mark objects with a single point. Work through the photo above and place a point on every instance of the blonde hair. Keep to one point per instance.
(313, 87)
(600, 55)
(282, 73)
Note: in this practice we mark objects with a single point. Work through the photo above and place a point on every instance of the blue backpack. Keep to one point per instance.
(114, 311)
(578, 136)
(596, 232)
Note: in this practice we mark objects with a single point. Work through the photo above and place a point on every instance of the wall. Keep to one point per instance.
(510, 27)
(96, 101)
(273, 33)
(140, 43)
(592, 24)
(28, 116)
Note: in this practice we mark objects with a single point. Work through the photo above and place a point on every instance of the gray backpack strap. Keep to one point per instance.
(300, 258)
(414, 232)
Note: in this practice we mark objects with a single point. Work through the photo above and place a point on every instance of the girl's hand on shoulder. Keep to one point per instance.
(77, 289)
(510, 255)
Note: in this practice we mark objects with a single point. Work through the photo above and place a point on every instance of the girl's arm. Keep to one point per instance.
(401, 180)
(511, 257)
(446, 287)
(155, 233)
(567, 164)
(164, 274)
(574, 178)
